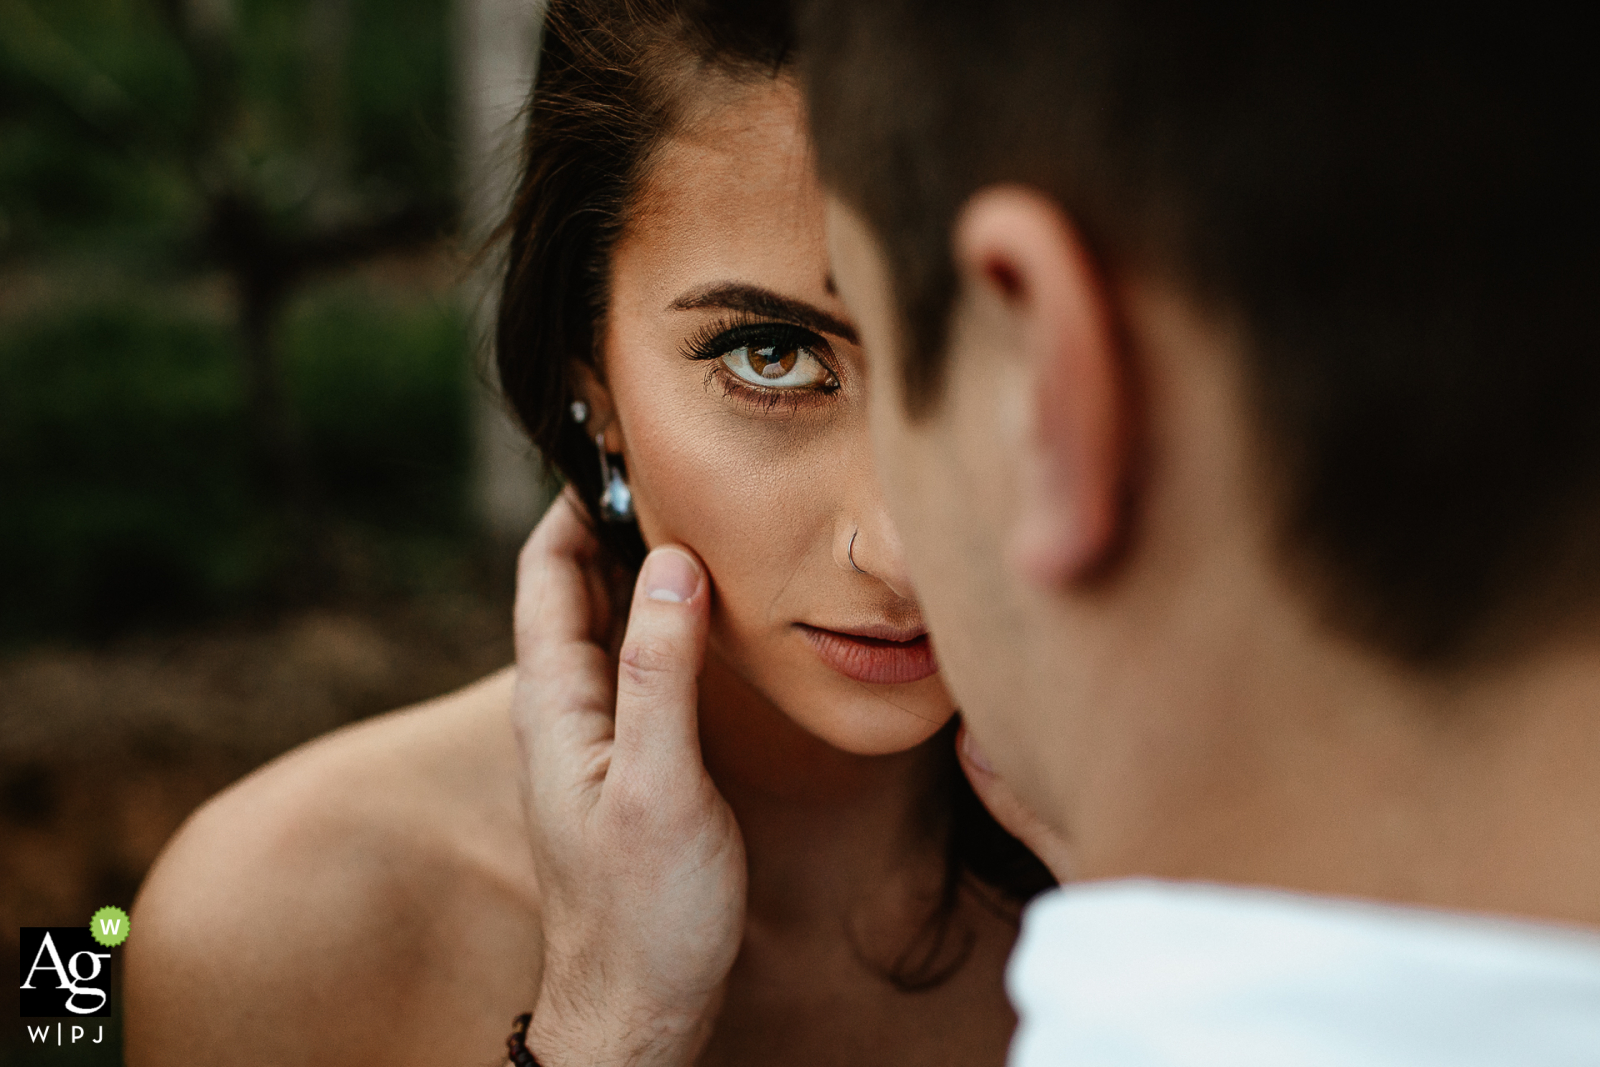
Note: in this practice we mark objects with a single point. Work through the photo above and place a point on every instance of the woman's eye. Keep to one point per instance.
(777, 366)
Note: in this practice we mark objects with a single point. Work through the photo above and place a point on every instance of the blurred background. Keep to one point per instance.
(252, 483)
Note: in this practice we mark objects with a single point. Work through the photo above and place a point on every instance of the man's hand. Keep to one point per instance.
(641, 865)
(1007, 810)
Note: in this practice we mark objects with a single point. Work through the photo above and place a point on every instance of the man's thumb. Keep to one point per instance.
(659, 666)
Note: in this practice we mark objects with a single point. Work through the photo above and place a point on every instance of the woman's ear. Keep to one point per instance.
(1016, 250)
(587, 387)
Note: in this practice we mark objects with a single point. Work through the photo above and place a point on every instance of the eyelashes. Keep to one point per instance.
(765, 363)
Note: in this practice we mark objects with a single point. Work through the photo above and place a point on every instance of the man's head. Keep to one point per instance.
(1220, 352)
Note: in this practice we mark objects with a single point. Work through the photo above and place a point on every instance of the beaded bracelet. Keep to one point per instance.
(517, 1044)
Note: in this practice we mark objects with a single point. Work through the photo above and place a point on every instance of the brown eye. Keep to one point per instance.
(789, 366)
(773, 362)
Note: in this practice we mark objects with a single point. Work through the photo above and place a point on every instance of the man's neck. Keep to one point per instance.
(1472, 791)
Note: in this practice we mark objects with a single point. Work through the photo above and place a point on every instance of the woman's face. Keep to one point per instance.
(738, 392)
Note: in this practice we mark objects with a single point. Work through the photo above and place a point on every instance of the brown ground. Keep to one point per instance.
(103, 753)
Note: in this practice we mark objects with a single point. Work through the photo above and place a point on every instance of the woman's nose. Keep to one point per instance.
(868, 543)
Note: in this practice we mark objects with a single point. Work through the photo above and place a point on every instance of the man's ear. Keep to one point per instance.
(1017, 251)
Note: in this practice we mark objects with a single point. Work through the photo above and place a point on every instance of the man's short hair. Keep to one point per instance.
(1397, 205)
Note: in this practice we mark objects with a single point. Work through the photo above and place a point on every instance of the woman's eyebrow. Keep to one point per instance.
(754, 300)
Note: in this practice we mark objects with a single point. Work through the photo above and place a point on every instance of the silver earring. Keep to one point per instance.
(616, 499)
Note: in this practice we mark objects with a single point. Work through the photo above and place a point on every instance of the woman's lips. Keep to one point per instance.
(875, 660)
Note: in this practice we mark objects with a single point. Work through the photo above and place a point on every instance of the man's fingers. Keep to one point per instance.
(659, 666)
(554, 599)
(1009, 811)
(561, 708)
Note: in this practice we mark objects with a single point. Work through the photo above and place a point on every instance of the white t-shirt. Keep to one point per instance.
(1169, 974)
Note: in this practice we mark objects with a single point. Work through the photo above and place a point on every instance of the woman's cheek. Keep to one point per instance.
(740, 506)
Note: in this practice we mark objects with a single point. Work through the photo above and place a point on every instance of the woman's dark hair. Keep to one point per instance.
(614, 78)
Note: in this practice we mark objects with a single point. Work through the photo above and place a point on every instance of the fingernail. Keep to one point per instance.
(973, 753)
(669, 575)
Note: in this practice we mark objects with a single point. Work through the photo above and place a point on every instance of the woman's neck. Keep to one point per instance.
(830, 836)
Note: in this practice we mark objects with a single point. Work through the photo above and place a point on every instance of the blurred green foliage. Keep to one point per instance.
(129, 496)
(249, 151)
(119, 117)
(121, 455)
(382, 396)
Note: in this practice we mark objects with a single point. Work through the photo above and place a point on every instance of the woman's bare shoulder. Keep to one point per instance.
(313, 909)
(437, 776)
